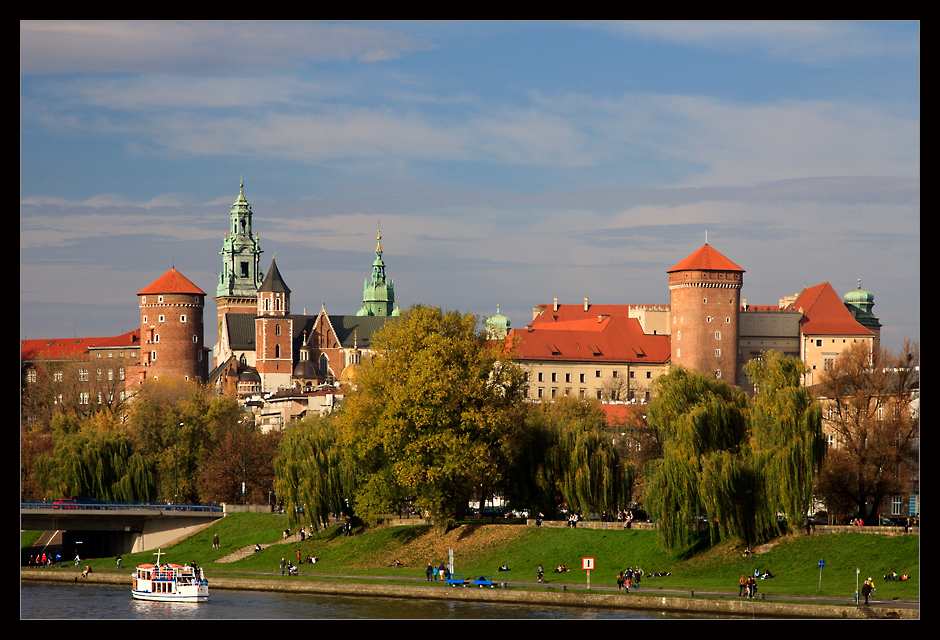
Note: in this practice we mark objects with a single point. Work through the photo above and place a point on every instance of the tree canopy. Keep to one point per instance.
(429, 417)
(871, 406)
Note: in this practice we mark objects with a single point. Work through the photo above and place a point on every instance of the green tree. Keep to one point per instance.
(170, 423)
(313, 476)
(103, 465)
(564, 455)
(429, 418)
(787, 440)
(705, 467)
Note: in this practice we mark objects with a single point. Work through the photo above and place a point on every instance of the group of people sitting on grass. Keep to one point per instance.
(561, 569)
(894, 576)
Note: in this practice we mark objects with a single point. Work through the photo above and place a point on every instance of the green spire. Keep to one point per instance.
(378, 294)
(241, 253)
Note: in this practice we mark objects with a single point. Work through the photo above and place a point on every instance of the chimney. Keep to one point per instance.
(585, 304)
(555, 305)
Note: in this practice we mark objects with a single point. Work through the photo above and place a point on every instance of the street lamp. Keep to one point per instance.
(176, 478)
(244, 462)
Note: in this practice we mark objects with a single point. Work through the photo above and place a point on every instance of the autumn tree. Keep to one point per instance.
(871, 408)
(429, 417)
(237, 453)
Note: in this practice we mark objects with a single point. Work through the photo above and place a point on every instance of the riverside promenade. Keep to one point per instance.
(556, 593)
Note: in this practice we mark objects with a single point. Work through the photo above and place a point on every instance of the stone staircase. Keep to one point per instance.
(244, 552)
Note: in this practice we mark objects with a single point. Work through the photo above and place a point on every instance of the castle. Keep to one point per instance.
(612, 352)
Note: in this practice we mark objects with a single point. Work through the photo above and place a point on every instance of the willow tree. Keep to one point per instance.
(102, 465)
(563, 455)
(787, 440)
(705, 468)
(313, 478)
(429, 416)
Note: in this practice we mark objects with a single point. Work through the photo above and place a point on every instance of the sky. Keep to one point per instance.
(505, 163)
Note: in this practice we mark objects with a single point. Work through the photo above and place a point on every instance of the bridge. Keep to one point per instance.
(99, 529)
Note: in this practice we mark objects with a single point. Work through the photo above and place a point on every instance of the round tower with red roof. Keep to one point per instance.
(705, 298)
(171, 329)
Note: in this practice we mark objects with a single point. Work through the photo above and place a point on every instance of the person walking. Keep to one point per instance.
(283, 566)
(429, 572)
(742, 585)
(539, 573)
(867, 589)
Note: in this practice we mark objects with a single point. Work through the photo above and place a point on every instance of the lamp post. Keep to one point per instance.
(244, 462)
(176, 477)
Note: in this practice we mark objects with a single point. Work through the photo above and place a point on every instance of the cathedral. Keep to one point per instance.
(263, 348)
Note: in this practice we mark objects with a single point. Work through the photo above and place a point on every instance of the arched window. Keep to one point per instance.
(324, 365)
(277, 351)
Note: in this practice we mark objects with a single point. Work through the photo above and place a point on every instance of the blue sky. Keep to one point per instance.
(507, 163)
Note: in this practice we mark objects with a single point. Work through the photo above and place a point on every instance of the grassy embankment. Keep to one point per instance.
(481, 549)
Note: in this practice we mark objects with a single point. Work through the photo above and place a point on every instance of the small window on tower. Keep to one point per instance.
(244, 266)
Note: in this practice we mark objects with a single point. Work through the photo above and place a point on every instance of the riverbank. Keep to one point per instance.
(554, 596)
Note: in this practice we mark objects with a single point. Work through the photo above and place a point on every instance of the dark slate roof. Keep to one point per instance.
(349, 330)
(273, 281)
(241, 331)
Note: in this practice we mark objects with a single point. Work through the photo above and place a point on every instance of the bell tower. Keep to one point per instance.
(237, 291)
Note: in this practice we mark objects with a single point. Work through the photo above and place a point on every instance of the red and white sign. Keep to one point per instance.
(587, 564)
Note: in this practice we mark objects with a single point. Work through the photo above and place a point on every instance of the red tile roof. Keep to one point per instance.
(706, 259)
(73, 348)
(172, 282)
(613, 338)
(824, 313)
(622, 415)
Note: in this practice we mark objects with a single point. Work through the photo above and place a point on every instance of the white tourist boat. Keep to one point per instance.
(169, 583)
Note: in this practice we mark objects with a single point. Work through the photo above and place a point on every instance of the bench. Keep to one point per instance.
(483, 581)
(455, 580)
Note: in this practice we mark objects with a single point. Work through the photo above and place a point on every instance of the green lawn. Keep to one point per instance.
(481, 549)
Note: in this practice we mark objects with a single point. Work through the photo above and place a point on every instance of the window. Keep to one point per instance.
(614, 374)
(110, 374)
(819, 343)
(183, 318)
(718, 335)
(277, 351)
(83, 398)
(31, 375)
(120, 373)
(597, 374)
(678, 335)
(728, 319)
(896, 504)
(717, 353)
(156, 337)
(582, 378)
(195, 339)
(567, 378)
(598, 394)
(704, 300)
(160, 319)
(153, 356)
(541, 389)
(649, 374)
(708, 318)
(244, 266)
(540, 376)
(554, 379)
(83, 375)
(277, 329)
(159, 298)
(633, 374)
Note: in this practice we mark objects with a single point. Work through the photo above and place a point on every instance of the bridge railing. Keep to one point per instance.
(202, 507)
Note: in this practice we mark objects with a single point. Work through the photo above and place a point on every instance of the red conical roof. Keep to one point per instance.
(706, 259)
(172, 282)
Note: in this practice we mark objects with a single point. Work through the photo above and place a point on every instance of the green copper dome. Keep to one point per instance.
(498, 326)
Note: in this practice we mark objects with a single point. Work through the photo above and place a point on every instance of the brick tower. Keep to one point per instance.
(171, 329)
(705, 299)
(274, 329)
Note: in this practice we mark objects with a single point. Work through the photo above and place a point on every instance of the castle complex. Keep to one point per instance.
(611, 352)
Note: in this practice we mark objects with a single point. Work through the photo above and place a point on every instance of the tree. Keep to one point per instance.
(564, 455)
(787, 439)
(705, 467)
(429, 418)
(237, 453)
(170, 424)
(100, 464)
(870, 404)
(313, 476)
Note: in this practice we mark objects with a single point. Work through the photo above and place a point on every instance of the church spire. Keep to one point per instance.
(241, 254)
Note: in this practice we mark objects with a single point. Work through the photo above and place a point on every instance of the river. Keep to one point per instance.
(56, 601)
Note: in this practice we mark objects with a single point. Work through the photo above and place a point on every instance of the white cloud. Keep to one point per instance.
(200, 48)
